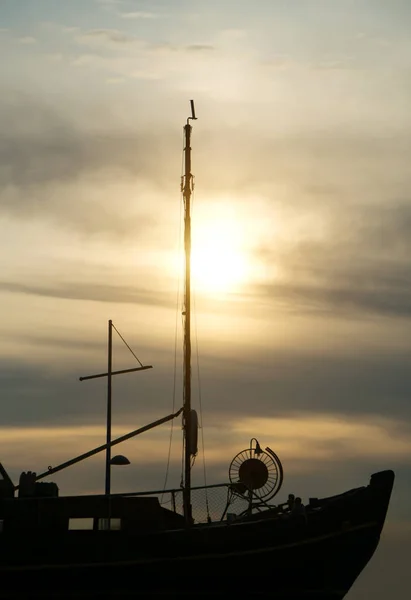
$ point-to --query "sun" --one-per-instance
(219, 262)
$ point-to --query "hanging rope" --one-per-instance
(200, 404)
(175, 371)
(175, 342)
(184, 437)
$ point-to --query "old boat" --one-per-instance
(137, 547)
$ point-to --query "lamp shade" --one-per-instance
(119, 460)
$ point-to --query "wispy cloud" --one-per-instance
(327, 438)
(117, 39)
(360, 267)
(96, 292)
(115, 80)
(54, 56)
(67, 29)
(199, 47)
(109, 2)
(27, 40)
(121, 9)
(139, 15)
(107, 37)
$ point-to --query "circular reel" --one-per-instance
(256, 472)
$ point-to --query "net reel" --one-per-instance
(255, 473)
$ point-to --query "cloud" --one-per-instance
(108, 37)
(27, 40)
(287, 61)
(381, 289)
(359, 267)
(328, 438)
(120, 9)
(55, 56)
(53, 168)
(335, 64)
(313, 445)
(279, 61)
(115, 80)
(119, 40)
(282, 383)
(97, 292)
(352, 381)
(139, 14)
(199, 47)
(338, 248)
(109, 2)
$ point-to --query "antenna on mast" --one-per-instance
(193, 112)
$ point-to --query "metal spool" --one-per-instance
(253, 473)
(257, 472)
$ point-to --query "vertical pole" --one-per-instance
(109, 372)
(187, 329)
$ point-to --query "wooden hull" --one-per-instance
(279, 558)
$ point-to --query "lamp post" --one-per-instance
(109, 376)
(108, 430)
(117, 461)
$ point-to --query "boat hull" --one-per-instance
(276, 557)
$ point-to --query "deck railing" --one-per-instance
(211, 502)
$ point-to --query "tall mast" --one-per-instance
(187, 189)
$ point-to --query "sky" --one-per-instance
(301, 241)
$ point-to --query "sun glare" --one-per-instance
(218, 261)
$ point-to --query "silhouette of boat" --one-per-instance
(135, 547)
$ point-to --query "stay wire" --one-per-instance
(200, 403)
(175, 344)
(135, 356)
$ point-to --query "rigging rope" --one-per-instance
(175, 342)
(174, 375)
(200, 403)
(135, 356)
(184, 439)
